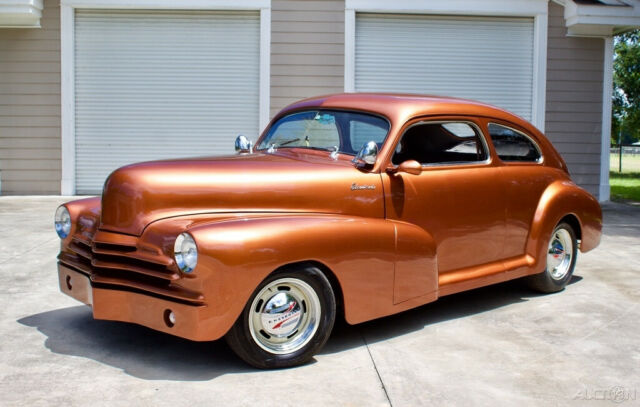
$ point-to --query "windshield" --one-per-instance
(326, 130)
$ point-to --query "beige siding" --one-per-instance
(30, 106)
(574, 99)
(307, 50)
(307, 59)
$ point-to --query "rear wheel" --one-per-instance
(286, 321)
(561, 260)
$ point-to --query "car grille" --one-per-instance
(125, 266)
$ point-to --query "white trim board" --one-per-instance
(67, 62)
(604, 191)
(539, 102)
(169, 4)
(67, 103)
(538, 9)
(513, 8)
(349, 50)
(265, 68)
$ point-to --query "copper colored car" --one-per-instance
(362, 205)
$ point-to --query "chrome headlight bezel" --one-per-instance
(185, 252)
(62, 221)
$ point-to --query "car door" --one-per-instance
(528, 178)
(458, 196)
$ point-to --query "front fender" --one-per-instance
(562, 198)
(236, 255)
(85, 218)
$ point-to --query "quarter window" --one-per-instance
(441, 143)
(511, 145)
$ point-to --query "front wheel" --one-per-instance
(286, 321)
(561, 260)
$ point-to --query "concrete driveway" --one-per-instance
(499, 345)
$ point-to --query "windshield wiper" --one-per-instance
(319, 148)
(273, 146)
(284, 143)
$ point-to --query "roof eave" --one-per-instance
(601, 20)
(20, 13)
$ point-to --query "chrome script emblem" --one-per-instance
(356, 187)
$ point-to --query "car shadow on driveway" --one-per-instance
(151, 355)
(138, 351)
(447, 308)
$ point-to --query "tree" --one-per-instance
(626, 83)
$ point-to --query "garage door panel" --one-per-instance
(482, 58)
(152, 85)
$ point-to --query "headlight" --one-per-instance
(62, 222)
(185, 252)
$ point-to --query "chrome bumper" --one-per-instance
(128, 306)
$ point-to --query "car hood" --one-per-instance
(138, 194)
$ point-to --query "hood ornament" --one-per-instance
(334, 153)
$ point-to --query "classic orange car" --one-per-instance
(359, 205)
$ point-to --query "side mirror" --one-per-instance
(409, 166)
(367, 154)
(243, 145)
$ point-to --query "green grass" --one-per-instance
(630, 163)
(625, 186)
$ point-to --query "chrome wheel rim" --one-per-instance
(559, 254)
(284, 316)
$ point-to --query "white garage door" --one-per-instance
(152, 85)
(484, 58)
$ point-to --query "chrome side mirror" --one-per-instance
(367, 154)
(243, 145)
(409, 166)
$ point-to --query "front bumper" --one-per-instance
(128, 306)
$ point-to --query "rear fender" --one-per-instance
(562, 198)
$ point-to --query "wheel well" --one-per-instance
(333, 280)
(573, 221)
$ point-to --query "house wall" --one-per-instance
(307, 50)
(307, 59)
(30, 106)
(574, 99)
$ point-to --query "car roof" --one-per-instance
(399, 107)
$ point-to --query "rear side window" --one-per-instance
(512, 145)
(441, 143)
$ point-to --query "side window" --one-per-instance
(441, 143)
(511, 145)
